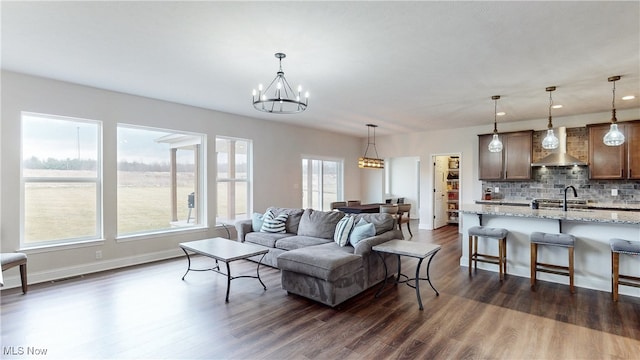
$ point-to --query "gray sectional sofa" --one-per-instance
(315, 266)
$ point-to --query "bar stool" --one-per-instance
(492, 233)
(621, 246)
(562, 240)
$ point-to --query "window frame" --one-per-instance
(231, 181)
(339, 180)
(200, 200)
(97, 180)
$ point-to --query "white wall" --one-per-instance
(404, 180)
(464, 141)
(277, 166)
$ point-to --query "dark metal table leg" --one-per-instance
(384, 283)
(418, 284)
(258, 272)
(429, 276)
(188, 263)
(399, 270)
(228, 282)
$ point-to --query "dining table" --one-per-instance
(363, 208)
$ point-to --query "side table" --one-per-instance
(412, 249)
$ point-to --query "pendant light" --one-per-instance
(371, 162)
(495, 145)
(551, 140)
(613, 137)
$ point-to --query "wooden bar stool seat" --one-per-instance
(621, 246)
(562, 240)
(10, 260)
(498, 234)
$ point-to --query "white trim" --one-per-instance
(161, 234)
(43, 248)
(84, 269)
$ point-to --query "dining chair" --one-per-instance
(403, 216)
(338, 204)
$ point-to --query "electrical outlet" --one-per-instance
(98, 254)
(496, 189)
(614, 192)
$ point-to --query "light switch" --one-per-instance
(496, 189)
(614, 192)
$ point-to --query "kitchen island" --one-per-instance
(592, 228)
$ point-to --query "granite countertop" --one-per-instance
(586, 215)
(632, 206)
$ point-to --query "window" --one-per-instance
(159, 180)
(62, 180)
(321, 182)
(233, 178)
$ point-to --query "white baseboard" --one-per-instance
(12, 277)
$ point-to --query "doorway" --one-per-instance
(446, 189)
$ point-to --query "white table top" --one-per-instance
(223, 249)
(408, 248)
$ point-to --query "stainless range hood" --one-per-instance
(560, 157)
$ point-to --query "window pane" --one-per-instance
(233, 177)
(329, 184)
(56, 211)
(222, 148)
(61, 176)
(241, 160)
(241, 198)
(156, 176)
(321, 183)
(223, 200)
(53, 146)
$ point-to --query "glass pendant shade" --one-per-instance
(613, 137)
(550, 141)
(495, 145)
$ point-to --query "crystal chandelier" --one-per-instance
(368, 162)
(495, 145)
(279, 97)
(551, 140)
(613, 137)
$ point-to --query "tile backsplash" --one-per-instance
(550, 182)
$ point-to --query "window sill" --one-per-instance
(160, 234)
(36, 249)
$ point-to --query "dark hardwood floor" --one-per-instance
(147, 312)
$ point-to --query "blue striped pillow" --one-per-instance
(343, 230)
(274, 224)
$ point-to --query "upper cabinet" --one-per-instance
(512, 163)
(615, 162)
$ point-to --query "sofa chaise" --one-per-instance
(312, 263)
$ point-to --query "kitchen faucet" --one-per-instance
(575, 194)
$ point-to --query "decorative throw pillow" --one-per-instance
(361, 231)
(274, 224)
(256, 221)
(343, 230)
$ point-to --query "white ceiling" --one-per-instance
(406, 66)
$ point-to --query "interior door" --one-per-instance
(440, 187)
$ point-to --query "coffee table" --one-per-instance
(224, 250)
(411, 249)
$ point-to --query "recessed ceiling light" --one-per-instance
(501, 113)
(628, 97)
(557, 106)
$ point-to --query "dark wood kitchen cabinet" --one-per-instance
(614, 162)
(512, 163)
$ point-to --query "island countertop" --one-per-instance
(585, 215)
